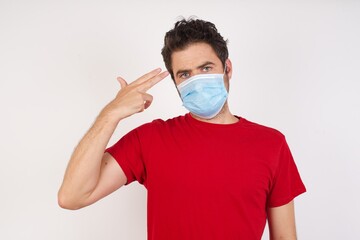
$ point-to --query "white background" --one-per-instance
(296, 68)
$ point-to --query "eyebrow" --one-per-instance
(198, 67)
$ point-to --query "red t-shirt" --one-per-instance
(208, 181)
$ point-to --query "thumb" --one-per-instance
(122, 82)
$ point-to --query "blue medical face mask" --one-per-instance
(204, 94)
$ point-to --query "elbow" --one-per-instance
(66, 202)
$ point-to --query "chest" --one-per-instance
(209, 166)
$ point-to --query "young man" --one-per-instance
(209, 174)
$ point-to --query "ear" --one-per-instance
(228, 68)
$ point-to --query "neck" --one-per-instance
(224, 117)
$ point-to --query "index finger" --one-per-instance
(147, 76)
(154, 80)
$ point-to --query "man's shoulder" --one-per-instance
(169, 121)
(159, 123)
(262, 130)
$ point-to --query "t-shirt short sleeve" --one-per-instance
(287, 183)
(127, 152)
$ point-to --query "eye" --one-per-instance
(206, 68)
(184, 75)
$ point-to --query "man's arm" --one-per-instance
(91, 174)
(282, 222)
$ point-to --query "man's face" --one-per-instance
(197, 58)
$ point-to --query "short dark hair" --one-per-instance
(186, 32)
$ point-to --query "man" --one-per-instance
(209, 174)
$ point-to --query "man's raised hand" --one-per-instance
(133, 98)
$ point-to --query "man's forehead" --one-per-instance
(193, 56)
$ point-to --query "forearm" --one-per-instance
(87, 179)
(83, 171)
